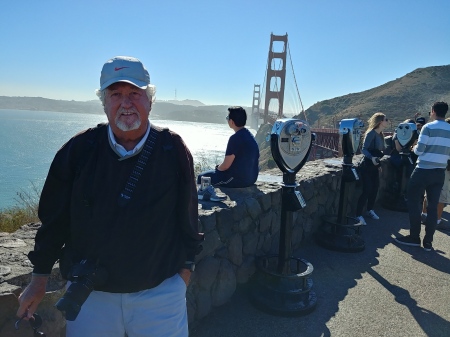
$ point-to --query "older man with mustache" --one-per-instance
(119, 210)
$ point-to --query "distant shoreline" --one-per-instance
(161, 109)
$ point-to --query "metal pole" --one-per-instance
(287, 220)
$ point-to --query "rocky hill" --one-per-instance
(46, 104)
(398, 99)
(185, 102)
(187, 110)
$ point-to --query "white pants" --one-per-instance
(158, 312)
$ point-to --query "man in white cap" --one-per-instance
(119, 210)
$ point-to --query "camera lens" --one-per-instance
(77, 293)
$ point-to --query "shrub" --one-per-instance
(203, 163)
(12, 218)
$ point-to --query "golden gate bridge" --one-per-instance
(326, 144)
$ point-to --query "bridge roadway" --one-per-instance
(386, 290)
(326, 144)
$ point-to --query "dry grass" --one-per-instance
(12, 218)
(204, 163)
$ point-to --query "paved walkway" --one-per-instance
(386, 290)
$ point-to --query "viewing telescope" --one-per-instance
(341, 232)
(281, 282)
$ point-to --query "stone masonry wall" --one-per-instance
(237, 230)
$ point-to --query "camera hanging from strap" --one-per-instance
(136, 173)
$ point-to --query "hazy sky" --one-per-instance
(215, 51)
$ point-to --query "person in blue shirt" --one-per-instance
(240, 166)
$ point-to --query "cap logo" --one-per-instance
(124, 69)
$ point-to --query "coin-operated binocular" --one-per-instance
(393, 197)
(290, 143)
(281, 283)
(340, 232)
(350, 131)
(406, 135)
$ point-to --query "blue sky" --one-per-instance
(215, 51)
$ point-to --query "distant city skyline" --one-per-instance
(214, 52)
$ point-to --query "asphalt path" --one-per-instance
(385, 290)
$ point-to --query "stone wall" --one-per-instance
(237, 230)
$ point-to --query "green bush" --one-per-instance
(12, 218)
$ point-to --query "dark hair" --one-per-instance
(238, 115)
(440, 108)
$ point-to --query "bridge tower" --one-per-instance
(277, 77)
(254, 122)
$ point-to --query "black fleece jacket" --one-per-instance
(139, 244)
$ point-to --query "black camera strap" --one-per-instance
(136, 173)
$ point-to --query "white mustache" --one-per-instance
(127, 111)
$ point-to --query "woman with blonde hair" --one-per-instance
(372, 148)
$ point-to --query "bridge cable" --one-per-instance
(264, 85)
(296, 86)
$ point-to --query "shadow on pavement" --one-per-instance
(335, 275)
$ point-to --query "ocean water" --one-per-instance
(30, 139)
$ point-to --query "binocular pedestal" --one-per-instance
(341, 232)
(282, 283)
(394, 195)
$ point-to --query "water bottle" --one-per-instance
(206, 181)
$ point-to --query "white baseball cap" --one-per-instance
(124, 69)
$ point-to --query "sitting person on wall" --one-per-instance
(240, 166)
(372, 148)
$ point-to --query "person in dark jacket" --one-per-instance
(372, 149)
(120, 199)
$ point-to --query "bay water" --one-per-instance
(30, 139)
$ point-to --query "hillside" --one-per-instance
(187, 110)
(46, 104)
(185, 102)
(398, 99)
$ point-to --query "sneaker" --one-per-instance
(361, 220)
(208, 194)
(443, 226)
(408, 241)
(427, 246)
(373, 215)
(423, 217)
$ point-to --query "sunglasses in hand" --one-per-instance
(35, 323)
